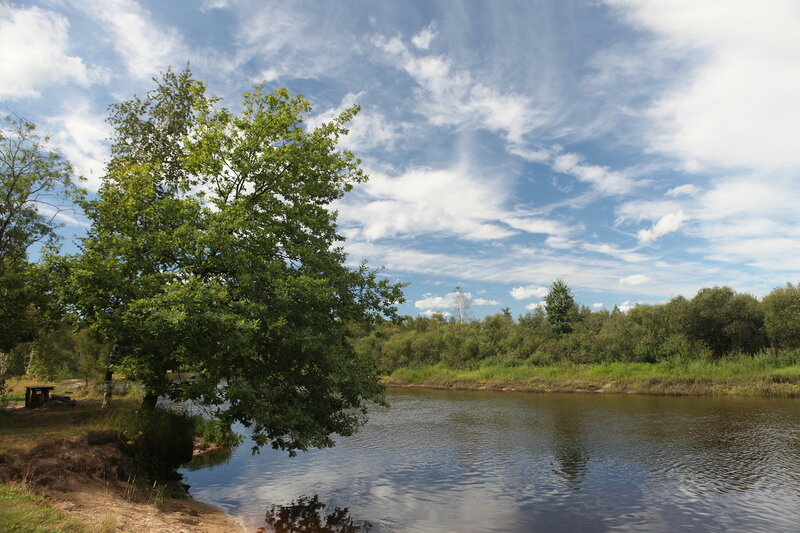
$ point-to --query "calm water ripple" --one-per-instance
(449, 461)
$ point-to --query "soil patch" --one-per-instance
(89, 476)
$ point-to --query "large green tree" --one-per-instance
(36, 184)
(213, 248)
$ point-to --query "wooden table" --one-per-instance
(37, 396)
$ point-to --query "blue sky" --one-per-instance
(639, 150)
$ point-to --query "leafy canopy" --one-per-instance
(35, 186)
(213, 248)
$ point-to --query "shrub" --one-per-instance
(159, 441)
(782, 316)
(215, 432)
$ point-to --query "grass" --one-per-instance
(22, 510)
(32, 439)
(15, 389)
(20, 433)
(759, 375)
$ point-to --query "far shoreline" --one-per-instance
(697, 378)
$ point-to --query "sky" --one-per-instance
(638, 150)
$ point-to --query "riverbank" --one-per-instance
(63, 468)
(101, 508)
(749, 376)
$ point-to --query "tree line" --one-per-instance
(717, 322)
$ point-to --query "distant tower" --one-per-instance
(461, 304)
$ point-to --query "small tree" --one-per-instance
(35, 186)
(562, 310)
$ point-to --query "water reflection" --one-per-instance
(308, 515)
(569, 443)
(446, 461)
(219, 456)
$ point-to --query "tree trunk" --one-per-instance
(108, 389)
(149, 401)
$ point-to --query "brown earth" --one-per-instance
(88, 476)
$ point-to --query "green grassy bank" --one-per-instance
(61, 463)
(744, 375)
(24, 511)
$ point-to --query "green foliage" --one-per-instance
(715, 324)
(216, 432)
(562, 310)
(782, 317)
(213, 249)
(57, 352)
(159, 441)
(726, 321)
(30, 176)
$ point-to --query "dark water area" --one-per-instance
(478, 461)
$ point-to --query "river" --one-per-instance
(440, 461)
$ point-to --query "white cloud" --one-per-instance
(629, 256)
(529, 291)
(639, 210)
(425, 37)
(539, 225)
(81, 136)
(370, 129)
(749, 195)
(738, 99)
(559, 243)
(294, 40)
(450, 201)
(448, 301)
(534, 306)
(634, 280)
(146, 47)
(626, 306)
(431, 312)
(683, 190)
(215, 4)
(667, 224)
(447, 96)
(602, 178)
(598, 305)
(518, 266)
(534, 155)
(34, 46)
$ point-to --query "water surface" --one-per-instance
(479, 461)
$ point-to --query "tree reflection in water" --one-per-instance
(308, 515)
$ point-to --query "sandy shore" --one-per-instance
(112, 508)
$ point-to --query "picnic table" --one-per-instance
(37, 396)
